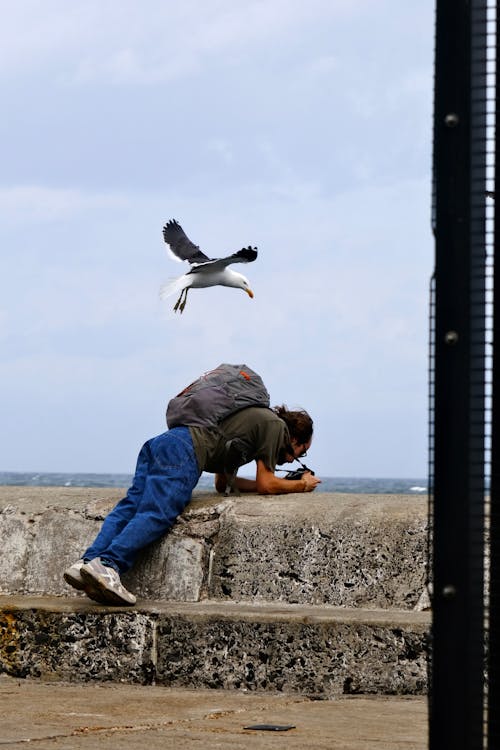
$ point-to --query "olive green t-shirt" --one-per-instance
(264, 433)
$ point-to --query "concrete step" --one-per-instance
(320, 651)
(364, 551)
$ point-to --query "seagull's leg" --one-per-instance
(176, 306)
(183, 305)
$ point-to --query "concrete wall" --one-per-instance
(312, 594)
(319, 548)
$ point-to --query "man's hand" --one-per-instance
(310, 481)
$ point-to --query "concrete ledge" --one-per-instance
(325, 548)
(313, 650)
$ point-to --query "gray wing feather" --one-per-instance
(245, 255)
(181, 245)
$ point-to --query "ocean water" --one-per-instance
(357, 485)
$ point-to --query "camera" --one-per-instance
(297, 474)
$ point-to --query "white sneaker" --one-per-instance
(73, 577)
(105, 581)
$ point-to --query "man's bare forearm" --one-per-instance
(241, 483)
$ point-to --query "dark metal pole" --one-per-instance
(494, 566)
(456, 680)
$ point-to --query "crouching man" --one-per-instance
(168, 469)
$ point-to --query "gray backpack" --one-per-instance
(216, 395)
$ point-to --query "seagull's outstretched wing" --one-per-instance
(180, 245)
(245, 255)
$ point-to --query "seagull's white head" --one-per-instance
(240, 282)
(245, 285)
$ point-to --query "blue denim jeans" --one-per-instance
(166, 474)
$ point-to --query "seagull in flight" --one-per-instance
(204, 271)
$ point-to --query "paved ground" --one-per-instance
(75, 717)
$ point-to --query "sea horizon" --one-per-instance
(341, 484)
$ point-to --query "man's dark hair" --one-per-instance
(299, 423)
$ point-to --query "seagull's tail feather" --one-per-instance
(173, 286)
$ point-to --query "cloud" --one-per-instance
(125, 42)
(20, 204)
(222, 148)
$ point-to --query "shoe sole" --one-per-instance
(99, 588)
(77, 583)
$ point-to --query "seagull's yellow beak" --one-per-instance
(249, 292)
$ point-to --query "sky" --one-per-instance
(302, 128)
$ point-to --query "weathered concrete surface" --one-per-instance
(345, 550)
(315, 650)
(81, 717)
(342, 550)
